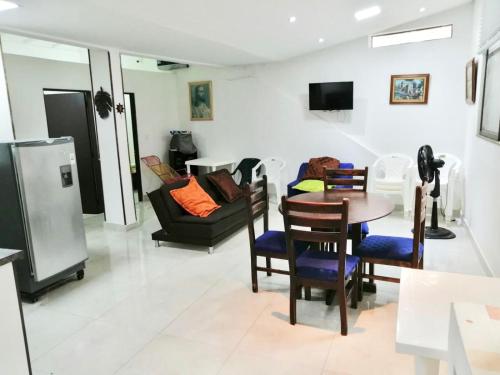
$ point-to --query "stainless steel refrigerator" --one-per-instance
(41, 212)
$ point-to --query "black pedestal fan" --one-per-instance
(428, 169)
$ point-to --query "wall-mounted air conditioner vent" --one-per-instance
(169, 65)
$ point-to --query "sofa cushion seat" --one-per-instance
(226, 210)
(225, 219)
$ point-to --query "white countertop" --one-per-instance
(475, 339)
(425, 299)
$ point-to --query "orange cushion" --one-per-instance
(194, 199)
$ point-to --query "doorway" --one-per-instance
(70, 113)
(133, 145)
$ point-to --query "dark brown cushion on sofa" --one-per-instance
(225, 184)
(315, 168)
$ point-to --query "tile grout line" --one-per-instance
(243, 336)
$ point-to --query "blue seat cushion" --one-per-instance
(321, 265)
(274, 241)
(387, 247)
(364, 229)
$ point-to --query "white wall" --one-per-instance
(6, 130)
(155, 95)
(26, 79)
(156, 113)
(482, 164)
(261, 110)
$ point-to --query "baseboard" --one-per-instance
(119, 227)
(482, 259)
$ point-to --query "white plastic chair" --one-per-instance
(451, 198)
(271, 167)
(391, 175)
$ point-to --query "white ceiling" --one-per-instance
(224, 32)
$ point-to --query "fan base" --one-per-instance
(439, 233)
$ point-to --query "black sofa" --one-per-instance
(179, 226)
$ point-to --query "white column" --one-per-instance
(112, 140)
(6, 131)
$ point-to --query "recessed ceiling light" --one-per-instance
(423, 9)
(6, 5)
(292, 19)
(367, 13)
(321, 40)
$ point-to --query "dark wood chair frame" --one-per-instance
(329, 221)
(418, 238)
(336, 177)
(258, 204)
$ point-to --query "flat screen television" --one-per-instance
(330, 96)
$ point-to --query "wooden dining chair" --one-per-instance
(349, 179)
(395, 251)
(355, 179)
(272, 243)
(316, 268)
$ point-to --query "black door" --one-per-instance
(71, 114)
(134, 142)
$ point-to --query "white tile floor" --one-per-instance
(177, 310)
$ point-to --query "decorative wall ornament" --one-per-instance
(120, 108)
(409, 89)
(103, 103)
(200, 100)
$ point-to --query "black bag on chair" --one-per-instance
(183, 142)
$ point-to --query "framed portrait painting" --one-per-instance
(470, 81)
(200, 101)
(409, 89)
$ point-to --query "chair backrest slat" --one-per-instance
(314, 221)
(345, 178)
(314, 236)
(315, 208)
(339, 182)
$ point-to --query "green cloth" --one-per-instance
(311, 186)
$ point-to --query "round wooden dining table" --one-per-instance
(363, 207)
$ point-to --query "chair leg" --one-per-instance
(361, 270)
(293, 302)
(343, 311)
(253, 266)
(268, 265)
(157, 243)
(354, 290)
(298, 291)
(330, 296)
(307, 293)
(421, 263)
(372, 272)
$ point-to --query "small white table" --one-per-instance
(208, 162)
(474, 340)
(425, 299)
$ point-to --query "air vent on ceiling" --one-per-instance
(169, 65)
